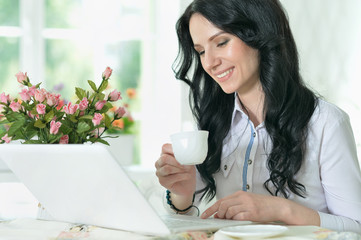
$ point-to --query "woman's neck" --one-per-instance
(252, 103)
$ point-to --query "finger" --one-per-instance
(170, 180)
(167, 159)
(221, 207)
(211, 210)
(167, 149)
(242, 216)
(232, 211)
(169, 170)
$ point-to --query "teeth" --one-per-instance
(225, 73)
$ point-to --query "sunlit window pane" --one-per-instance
(124, 17)
(9, 12)
(9, 59)
(125, 58)
(63, 13)
(68, 63)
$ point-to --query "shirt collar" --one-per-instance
(238, 110)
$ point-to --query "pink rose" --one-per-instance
(64, 139)
(40, 95)
(97, 119)
(97, 132)
(54, 127)
(4, 98)
(119, 112)
(52, 99)
(32, 91)
(71, 109)
(107, 73)
(21, 77)
(114, 96)
(15, 106)
(83, 104)
(100, 104)
(6, 138)
(40, 108)
(31, 115)
(24, 94)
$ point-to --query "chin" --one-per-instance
(228, 90)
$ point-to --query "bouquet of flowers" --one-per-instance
(42, 117)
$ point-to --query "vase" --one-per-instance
(122, 148)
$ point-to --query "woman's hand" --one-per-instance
(245, 206)
(177, 178)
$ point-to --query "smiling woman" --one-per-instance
(275, 147)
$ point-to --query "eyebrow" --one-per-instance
(211, 38)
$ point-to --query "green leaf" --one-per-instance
(54, 138)
(89, 117)
(80, 93)
(82, 127)
(92, 96)
(33, 111)
(107, 121)
(49, 116)
(65, 129)
(100, 96)
(15, 116)
(103, 86)
(16, 126)
(59, 114)
(39, 124)
(93, 140)
(5, 121)
(33, 142)
(30, 134)
(92, 85)
(73, 118)
(104, 109)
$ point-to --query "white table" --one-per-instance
(31, 229)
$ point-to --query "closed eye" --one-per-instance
(223, 43)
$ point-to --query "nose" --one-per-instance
(210, 61)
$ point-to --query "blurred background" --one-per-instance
(64, 43)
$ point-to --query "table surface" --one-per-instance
(26, 228)
(19, 213)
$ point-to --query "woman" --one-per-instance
(277, 152)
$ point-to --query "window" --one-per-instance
(9, 42)
(63, 43)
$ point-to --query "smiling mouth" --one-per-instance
(222, 75)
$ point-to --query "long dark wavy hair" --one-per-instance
(288, 106)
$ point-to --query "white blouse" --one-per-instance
(330, 171)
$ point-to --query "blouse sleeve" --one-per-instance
(340, 177)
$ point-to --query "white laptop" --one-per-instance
(84, 184)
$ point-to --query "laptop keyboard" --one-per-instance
(177, 222)
(184, 221)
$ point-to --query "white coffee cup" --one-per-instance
(191, 147)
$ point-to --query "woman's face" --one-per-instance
(225, 57)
